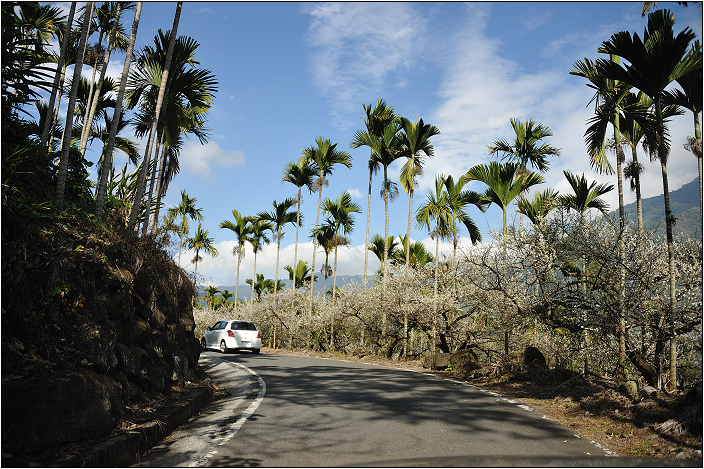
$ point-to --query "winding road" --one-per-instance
(297, 411)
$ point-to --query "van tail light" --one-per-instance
(259, 336)
(230, 334)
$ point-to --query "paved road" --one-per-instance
(297, 411)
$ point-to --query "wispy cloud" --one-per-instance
(356, 51)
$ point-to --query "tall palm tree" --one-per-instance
(504, 183)
(68, 125)
(257, 239)
(655, 61)
(690, 97)
(47, 125)
(340, 213)
(324, 156)
(583, 198)
(185, 209)
(152, 134)
(459, 198)
(116, 117)
(201, 241)
(111, 14)
(242, 229)
(437, 209)
(386, 148)
(525, 148)
(375, 121)
(325, 237)
(415, 139)
(278, 218)
(300, 174)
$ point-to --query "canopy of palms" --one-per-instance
(323, 157)
(376, 122)
(655, 61)
(242, 229)
(300, 174)
(414, 139)
(339, 213)
(188, 96)
(185, 209)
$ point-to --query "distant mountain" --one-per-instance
(245, 291)
(684, 203)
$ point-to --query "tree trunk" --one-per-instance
(317, 220)
(435, 293)
(639, 201)
(239, 260)
(386, 229)
(295, 247)
(107, 156)
(366, 238)
(87, 124)
(49, 120)
(162, 88)
(622, 227)
(150, 192)
(66, 144)
(254, 276)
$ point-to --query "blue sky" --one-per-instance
(290, 72)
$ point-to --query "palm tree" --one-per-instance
(538, 208)
(437, 208)
(152, 134)
(415, 139)
(655, 61)
(257, 238)
(68, 125)
(300, 174)
(109, 19)
(210, 294)
(116, 118)
(242, 229)
(325, 237)
(340, 213)
(47, 125)
(201, 241)
(458, 200)
(524, 148)
(185, 209)
(584, 196)
(378, 244)
(418, 258)
(324, 156)
(504, 183)
(301, 274)
(690, 97)
(279, 217)
(375, 121)
(226, 295)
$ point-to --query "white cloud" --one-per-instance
(355, 193)
(199, 159)
(356, 49)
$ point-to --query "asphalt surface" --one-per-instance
(298, 411)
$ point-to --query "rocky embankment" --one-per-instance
(92, 323)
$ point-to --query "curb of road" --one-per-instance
(124, 449)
